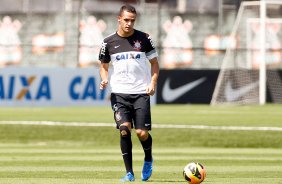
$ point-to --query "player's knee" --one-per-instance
(124, 131)
(142, 134)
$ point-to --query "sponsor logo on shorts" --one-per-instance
(117, 116)
(115, 108)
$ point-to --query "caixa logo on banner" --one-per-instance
(21, 87)
(80, 90)
(36, 88)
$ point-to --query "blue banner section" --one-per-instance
(51, 87)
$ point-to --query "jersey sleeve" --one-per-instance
(151, 52)
(104, 55)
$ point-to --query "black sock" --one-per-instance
(147, 147)
(126, 148)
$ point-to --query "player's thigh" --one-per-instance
(142, 118)
(121, 109)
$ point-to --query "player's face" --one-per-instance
(126, 23)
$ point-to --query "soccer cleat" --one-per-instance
(128, 177)
(147, 170)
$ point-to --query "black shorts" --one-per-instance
(134, 108)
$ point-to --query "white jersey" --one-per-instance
(129, 56)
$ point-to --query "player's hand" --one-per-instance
(104, 84)
(150, 90)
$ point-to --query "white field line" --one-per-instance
(171, 126)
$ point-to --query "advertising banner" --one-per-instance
(186, 86)
(51, 87)
(197, 86)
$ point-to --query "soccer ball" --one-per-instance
(194, 173)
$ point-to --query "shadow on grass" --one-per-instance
(165, 181)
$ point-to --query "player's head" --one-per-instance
(126, 19)
(127, 8)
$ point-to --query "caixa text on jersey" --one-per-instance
(130, 55)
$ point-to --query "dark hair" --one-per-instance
(127, 8)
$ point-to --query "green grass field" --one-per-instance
(40, 154)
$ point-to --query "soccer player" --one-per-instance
(132, 82)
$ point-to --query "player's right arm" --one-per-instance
(104, 73)
(105, 58)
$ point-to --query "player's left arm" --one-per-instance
(151, 89)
